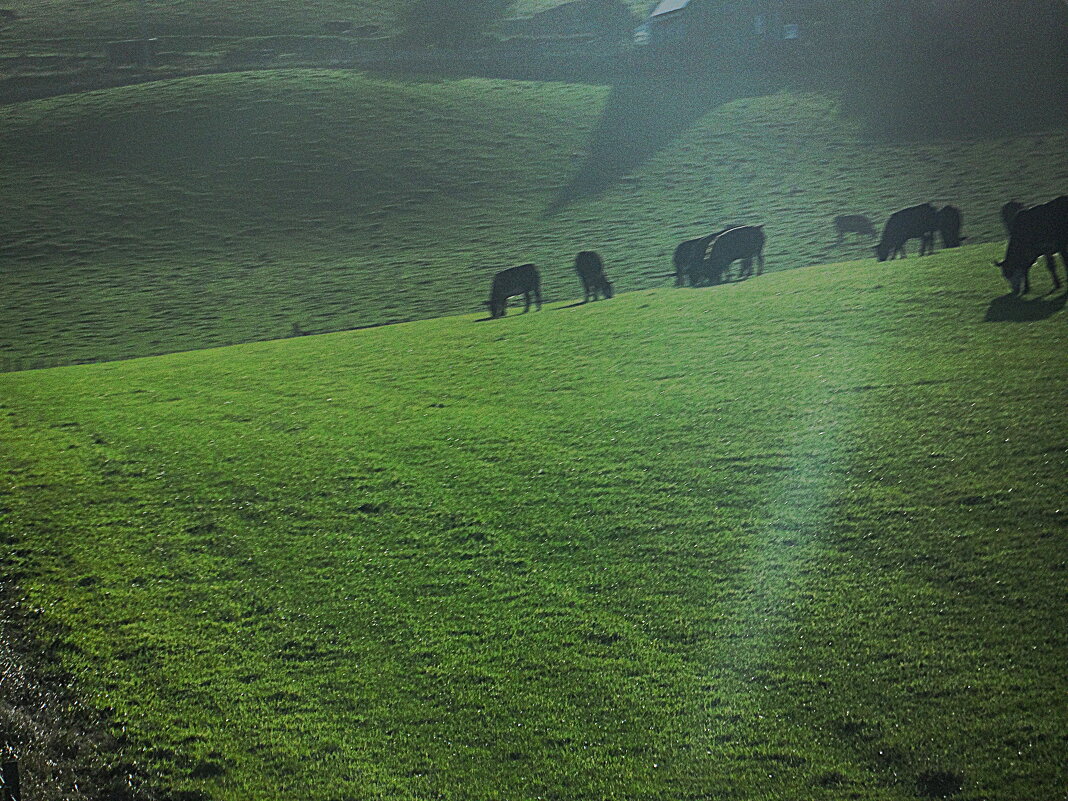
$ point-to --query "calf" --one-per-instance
(853, 224)
(744, 242)
(916, 222)
(522, 280)
(949, 226)
(1008, 212)
(1038, 231)
(590, 270)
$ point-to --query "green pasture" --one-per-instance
(120, 19)
(229, 208)
(797, 537)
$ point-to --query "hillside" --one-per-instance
(118, 19)
(801, 537)
(221, 209)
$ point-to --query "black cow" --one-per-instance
(853, 224)
(1008, 212)
(522, 280)
(690, 254)
(590, 269)
(1038, 231)
(949, 226)
(915, 222)
(744, 242)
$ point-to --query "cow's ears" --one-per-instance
(999, 264)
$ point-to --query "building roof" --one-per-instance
(667, 6)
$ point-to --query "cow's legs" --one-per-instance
(760, 262)
(747, 267)
(1051, 265)
(526, 301)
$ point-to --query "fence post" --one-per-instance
(9, 782)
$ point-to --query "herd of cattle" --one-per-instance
(1040, 230)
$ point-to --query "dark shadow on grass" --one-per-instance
(644, 114)
(1012, 309)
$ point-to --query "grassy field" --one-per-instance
(221, 209)
(119, 18)
(799, 537)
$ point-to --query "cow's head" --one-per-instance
(882, 251)
(1016, 276)
(606, 288)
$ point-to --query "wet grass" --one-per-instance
(221, 209)
(801, 537)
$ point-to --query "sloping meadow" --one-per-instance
(230, 208)
(801, 537)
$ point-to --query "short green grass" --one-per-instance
(799, 537)
(228, 208)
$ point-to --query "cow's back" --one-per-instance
(1042, 226)
(732, 244)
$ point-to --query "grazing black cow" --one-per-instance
(915, 222)
(690, 254)
(522, 280)
(853, 224)
(1008, 211)
(949, 226)
(1038, 231)
(590, 269)
(744, 242)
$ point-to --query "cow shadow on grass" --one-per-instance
(643, 115)
(1012, 309)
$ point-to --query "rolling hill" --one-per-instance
(228, 208)
(119, 19)
(797, 537)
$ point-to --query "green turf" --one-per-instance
(799, 537)
(229, 208)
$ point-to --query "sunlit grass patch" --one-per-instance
(796, 537)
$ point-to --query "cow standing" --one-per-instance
(1038, 231)
(590, 269)
(690, 255)
(853, 224)
(522, 280)
(949, 221)
(744, 242)
(916, 222)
